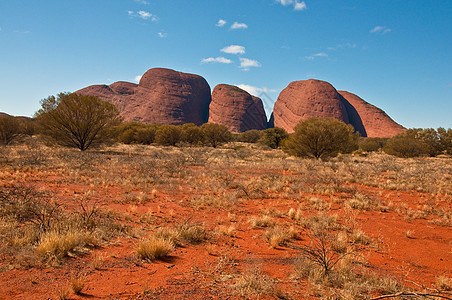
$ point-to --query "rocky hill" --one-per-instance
(311, 98)
(236, 109)
(163, 96)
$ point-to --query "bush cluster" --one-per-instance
(13, 128)
(420, 142)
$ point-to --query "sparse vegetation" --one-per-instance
(321, 138)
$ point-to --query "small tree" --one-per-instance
(168, 135)
(445, 138)
(10, 129)
(76, 120)
(191, 134)
(370, 144)
(250, 136)
(403, 145)
(321, 137)
(215, 134)
(273, 137)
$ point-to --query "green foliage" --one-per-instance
(369, 144)
(321, 137)
(272, 137)
(405, 146)
(215, 134)
(192, 134)
(445, 139)
(420, 142)
(250, 136)
(168, 135)
(10, 129)
(135, 133)
(76, 120)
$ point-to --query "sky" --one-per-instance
(395, 54)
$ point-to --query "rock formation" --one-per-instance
(306, 99)
(236, 109)
(376, 122)
(163, 96)
(319, 99)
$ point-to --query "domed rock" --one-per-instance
(376, 122)
(236, 109)
(305, 99)
(163, 96)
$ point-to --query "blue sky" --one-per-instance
(394, 54)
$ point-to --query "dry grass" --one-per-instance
(77, 284)
(154, 248)
(54, 246)
(262, 221)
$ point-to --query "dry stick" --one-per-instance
(426, 295)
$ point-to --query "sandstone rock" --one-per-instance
(236, 109)
(376, 122)
(163, 96)
(302, 100)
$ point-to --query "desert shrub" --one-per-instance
(250, 136)
(154, 248)
(445, 139)
(321, 137)
(420, 142)
(272, 137)
(75, 120)
(27, 205)
(278, 236)
(405, 146)
(10, 129)
(135, 133)
(192, 134)
(262, 221)
(372, 144)
(168, 135)
(215, 134)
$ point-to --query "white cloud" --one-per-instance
(380, 30)
(145, 15)
(343, 46)
(239, 26)
(246, 64)
(255, 91)
(314, 56)
(138, 78)
(142, 2)
(220, 60)
(162, 35)
(234, 49)
(297, 5)
(300, 5)
(221, 23)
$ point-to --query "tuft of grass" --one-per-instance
(77, 284)
(278, 236)
(255, 283)
(444, 283)
(154, 248)
(263, 221)
(54, 246)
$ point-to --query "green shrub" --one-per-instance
(372, 144)
(168, 135)
(272, 137)
(321, 137)
(250, 136)
(215, 134)
(10, 129)
(77, 121)
(192, 134)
